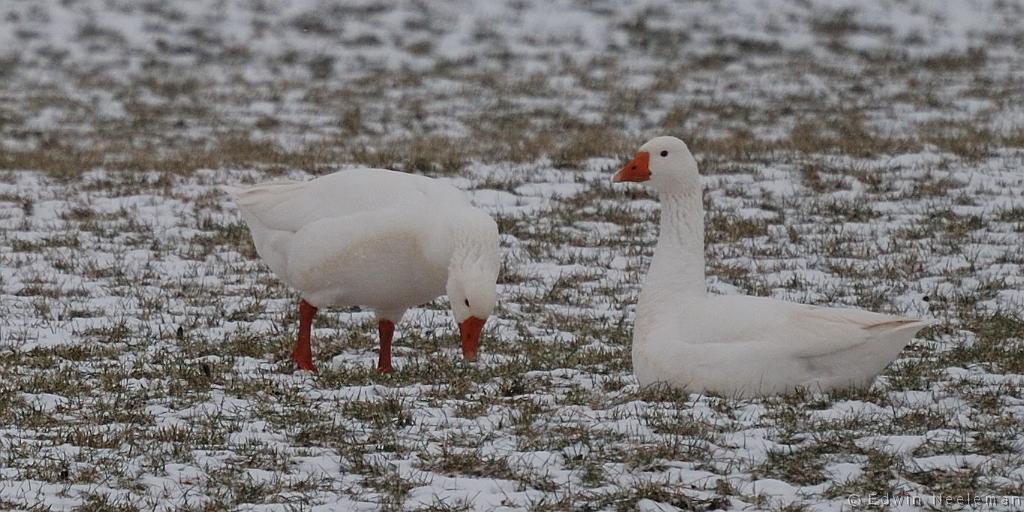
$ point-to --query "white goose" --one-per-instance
(381, 239)
(738, 345)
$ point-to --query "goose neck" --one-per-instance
(678, 264)
(472, 238)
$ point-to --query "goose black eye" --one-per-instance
(664, 153)
(466, 302)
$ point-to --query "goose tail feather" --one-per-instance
(902, 325)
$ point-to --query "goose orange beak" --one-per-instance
(638, 169)
(469, 330)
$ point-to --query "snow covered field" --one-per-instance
(866, 154)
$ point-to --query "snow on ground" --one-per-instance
(865, 154)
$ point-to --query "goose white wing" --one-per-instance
(275, 212)
(799, 329)
(288, 206)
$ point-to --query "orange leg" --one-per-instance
(303, 353)
(386, 329)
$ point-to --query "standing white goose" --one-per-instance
(381, 239)
(738, 345)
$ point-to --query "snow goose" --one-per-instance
(376, 238)
(737, 345)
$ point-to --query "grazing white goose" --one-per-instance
(381, 239)
(738, 345)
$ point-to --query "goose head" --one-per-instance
(666, 163)
(473, 295)
(473, 276)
